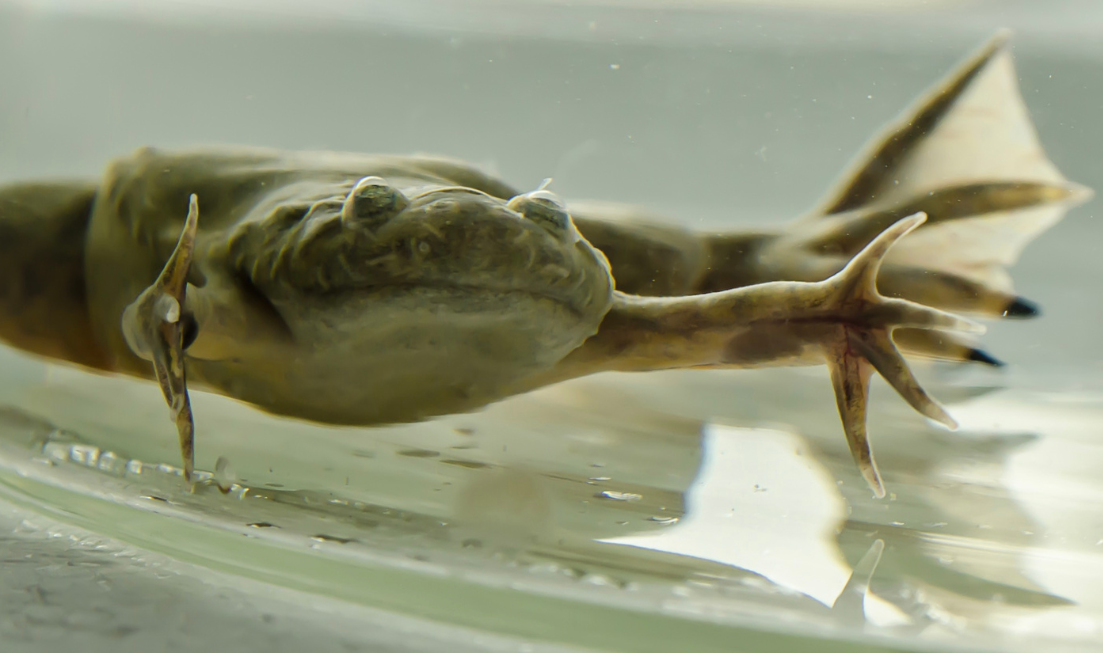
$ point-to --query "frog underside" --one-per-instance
(355, 289)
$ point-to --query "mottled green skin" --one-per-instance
(439, 307)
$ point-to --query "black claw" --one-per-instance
(981, 356)
(1021, 307)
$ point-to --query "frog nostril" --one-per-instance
(372, 202)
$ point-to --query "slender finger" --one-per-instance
(859, 277)
(850, 376)
(174, 276)
(902, 313)
(185, 430)
(877, 348)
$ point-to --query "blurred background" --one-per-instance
(674, 511)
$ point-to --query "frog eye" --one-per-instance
(372, 202)
(546, 209)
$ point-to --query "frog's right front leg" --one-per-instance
(843, 321)
(651, 259)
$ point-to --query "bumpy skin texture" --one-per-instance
(317, 302)
(354, 289)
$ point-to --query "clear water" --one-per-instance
(677, 511)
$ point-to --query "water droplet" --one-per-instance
(618, 496)
(223, 475)
(599, 580)
(322, 537)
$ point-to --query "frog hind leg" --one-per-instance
(940, 346)
(155, 327)
(968, 155)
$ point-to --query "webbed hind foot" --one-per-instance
(156, 328)
(967, 155)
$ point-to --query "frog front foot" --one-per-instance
(853, 325)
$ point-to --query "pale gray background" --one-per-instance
(722, 114)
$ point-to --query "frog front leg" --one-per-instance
(843, 321)
(177, 326)
(649, 258)
(156, 328)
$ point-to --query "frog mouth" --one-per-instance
(453, 297)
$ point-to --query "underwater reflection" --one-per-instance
(732, 489)
(760, 502)
(1056, 479)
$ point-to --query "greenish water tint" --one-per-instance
(677, 511)
(602, 514)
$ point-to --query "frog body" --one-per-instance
(356, 289)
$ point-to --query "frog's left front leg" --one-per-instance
(217, 320)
